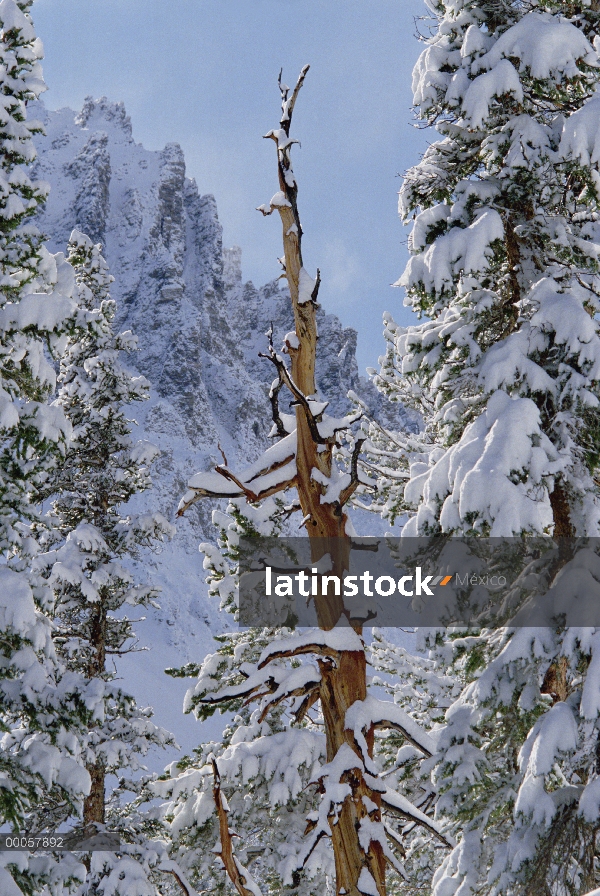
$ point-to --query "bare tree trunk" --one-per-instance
(94, 806)
(359, 862)
(556, 678)
(238, 875)
(340, 688)
(345, 683)
(555, 681)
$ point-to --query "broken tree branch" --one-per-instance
(307, 689)
(173, 869)
(250, 494)
(287, 107)
(317, 649)
(222, 453)
(420, 820)
(315, 292)
(276, 388)
(308, 702)
(258, 482)
(238, 875)
(301, 399)
(347, 493)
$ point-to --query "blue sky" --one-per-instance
(203, 73)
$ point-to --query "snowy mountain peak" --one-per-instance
(98, 113)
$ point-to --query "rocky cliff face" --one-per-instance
(199, 326)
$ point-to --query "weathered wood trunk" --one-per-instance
(345, 683)
(340, 688)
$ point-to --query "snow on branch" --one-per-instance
(287, 105)
(276, 387)
(308, 289)
(300, 682)
(355, 481)
(399, 805)
(169, 867)
(373, 713)
(335, 791)
(323, 643)
(274, 686)
(278, 468)
(342, 778)
(301, 399)
(322, 427)
(247, 689)
(273, 472)
(281, 136)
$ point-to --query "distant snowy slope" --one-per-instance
(200, 328)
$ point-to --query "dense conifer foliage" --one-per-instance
(504, 371)
(40, 708)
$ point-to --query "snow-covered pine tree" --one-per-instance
(505, 372)
(38, 752)
(503, 263)
(353, 799)
(264, 765)
(268, 757)
(89, 568)
(424, 688)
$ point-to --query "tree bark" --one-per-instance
(94, 806)
(340, 688)
(343, 679)
(563, 527)
(555, 681)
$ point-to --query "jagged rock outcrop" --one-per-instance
(91, 170)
